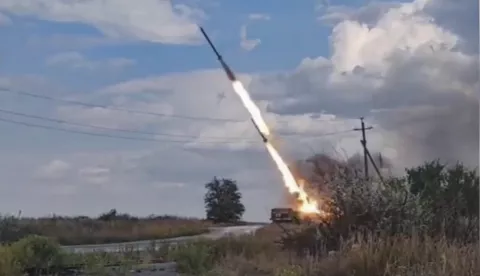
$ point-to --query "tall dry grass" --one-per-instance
(392, 256)
(75, 231)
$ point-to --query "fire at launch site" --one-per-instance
(308, 205)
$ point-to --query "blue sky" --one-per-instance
(337, 60)
(290, 21)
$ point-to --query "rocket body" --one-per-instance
(228, 71)
(230, 75)
(265, 140)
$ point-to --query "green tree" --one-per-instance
(450, 194)
(108, 216)
(223, 201)
(455, 186)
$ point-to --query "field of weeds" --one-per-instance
(258, 256)
(255, 256)
(107, 228)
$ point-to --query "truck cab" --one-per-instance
(285, 215)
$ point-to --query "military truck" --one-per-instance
(284, 215)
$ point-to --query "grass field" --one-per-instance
(261, 255)
(397, 255)
(82, 230)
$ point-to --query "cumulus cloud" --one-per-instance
(78, 61)
(207, 123)
(368, 14)
(250, 44)
(403, 64)
(150, 20)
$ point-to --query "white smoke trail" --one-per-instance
(307, 205)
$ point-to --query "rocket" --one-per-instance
(230, 75)
(227, 69)
(265, 140)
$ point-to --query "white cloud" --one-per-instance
(167, 185)
(399, 29)
(95, 175)
(250, 44)
(368, 14)
(70, 42)
(25, 82)
(245, 43)
(78, 61)
(56, 169)
(151, 20)
(259, 16)
(4, 20)
(399, 59)
(166, 94)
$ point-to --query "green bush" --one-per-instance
(450, 195)
(193, 258)
(33, 254)
(9, 265)
(37, 253)
(199, 257)
(433, 200)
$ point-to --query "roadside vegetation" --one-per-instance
(109, 227)
(426, 223)
(114, 227)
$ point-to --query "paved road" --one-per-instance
(215, 233)
(164, 269)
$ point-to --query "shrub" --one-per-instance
(199, 257)
(36, 253)
(194, 258)
(9, 265)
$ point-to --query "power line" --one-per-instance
(313, 136)
(108, 128)
(44, 97)
(132, 111)
(134, 138)
(60, 121)
(108, 135)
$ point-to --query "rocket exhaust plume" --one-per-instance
(308, 205)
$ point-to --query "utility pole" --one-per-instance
(364, 144)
